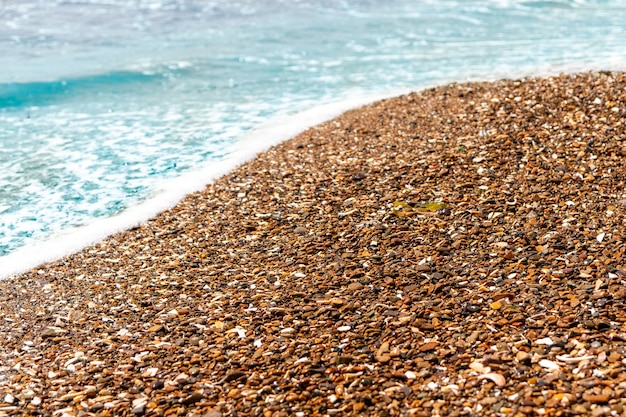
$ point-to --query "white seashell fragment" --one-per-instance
(548, 364)
(410, 375)
(479, 367)
(600, 237)
(344, 328)
(433, 386)
(494, 377)
(545, 341)
(123, 332)
(574, 359)
(453, 388)
(287, 330)
(140, 401)
(241, 332)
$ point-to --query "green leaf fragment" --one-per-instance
(403, 209)
(431, 206)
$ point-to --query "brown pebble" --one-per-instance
(596, 398)
(523, 356)
(193, 398)
(383, 358)
(428, 346)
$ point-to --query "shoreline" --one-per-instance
(173, 191)
(273, 133)
(453, 251)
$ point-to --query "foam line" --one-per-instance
(73, 240)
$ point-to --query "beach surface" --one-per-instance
(456, 251)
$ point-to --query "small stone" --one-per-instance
(234, 375)
(234, 393)
(344, 359)
(596, 398)
(193, 398)
(428, 346)
(50, 333)
(182, 379)
(383, 358)
(508, 255)
(139, 408)
(600, 411)
(496, 305)
(355, 286)
(300, 230)
(522, 356)
(579, 409)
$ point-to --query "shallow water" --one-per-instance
(104, 102)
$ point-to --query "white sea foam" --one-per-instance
(173, 191)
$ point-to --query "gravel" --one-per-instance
(455, 251)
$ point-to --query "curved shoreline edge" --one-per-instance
(275, 132)
(173, 191)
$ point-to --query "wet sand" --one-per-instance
(456, 251)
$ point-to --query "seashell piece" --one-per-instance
(545, 341)
(498, 379)
(479, 367)
(574, 359)
(453, 388)
(548, 364)
(433, 386)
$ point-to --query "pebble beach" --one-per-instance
(458, 251)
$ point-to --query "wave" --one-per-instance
(39, 93)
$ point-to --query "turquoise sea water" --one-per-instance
(103, 103)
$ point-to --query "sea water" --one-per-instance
(111, 110)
